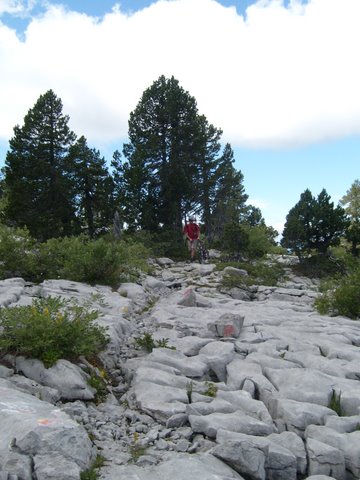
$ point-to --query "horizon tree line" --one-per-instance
(173, 165)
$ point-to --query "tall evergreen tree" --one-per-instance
(36, 174)
(161, 155)
(208, 170)
(93, 187)
(230, 197)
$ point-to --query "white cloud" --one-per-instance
(16, 7)
(279, 77)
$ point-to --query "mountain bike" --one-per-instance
(202, 252)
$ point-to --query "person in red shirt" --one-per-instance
(192, 232)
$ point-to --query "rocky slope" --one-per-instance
(242, 384)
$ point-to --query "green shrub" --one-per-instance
(260, 272)
(50, 329)
(18, 253)
(259, 242)
(246, 240)
(98, 261)
(341, 296)
(211, 389)
(320, 266)
(165, 243)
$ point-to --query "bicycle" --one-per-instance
(202, 252)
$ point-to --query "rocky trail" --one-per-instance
(241, 384)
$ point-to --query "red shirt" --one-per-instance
(192, 231)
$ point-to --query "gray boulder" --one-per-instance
(68, 379)
(227, 325)
(244, 453)
(217, 355)
(232, 422)
(325, 460)
(38, 428)
(347, 443)
(55, 467)
(183, 466)
(298, 415)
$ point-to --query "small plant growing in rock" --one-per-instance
(136, 450)
(335, 403)
(146, 342)
(99, 383)
(211, 389)
(50, 329)
(189, 390)
(92, 473)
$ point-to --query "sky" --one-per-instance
(280, 78)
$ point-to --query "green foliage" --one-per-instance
(260, 240)
(313, 224)
(37, 173)
(136, 450)
(93, 261)
(335, 403)
(92, 473)
(18, 253)
(164, 243)
(243, 240)
(50, 329)
(189, 390)
(351, 201)
(99, 383)
(174, 165)
(319, 266)
(235, 239)
(341, 296)
(148, 343)
(92, 187)
(211, 389)
(260, 272)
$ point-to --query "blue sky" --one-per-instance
(278, 77)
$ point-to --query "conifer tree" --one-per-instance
(230, 197)
(351, 203)
(93, 187)
(161, 168)
(37, 179)
(313, 224)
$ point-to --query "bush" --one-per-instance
(50, 329)
(165, 243)
(341, 296)
(98, 261)
(18, 253)
(260, 272)
(81, 259)
(247, 241)
(320, 266)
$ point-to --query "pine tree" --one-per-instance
(160, 170)
(313, 224)
(351, 202)
(37, 179)
(230, 197)
(93, 187)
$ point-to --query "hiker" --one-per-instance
(192, 232)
